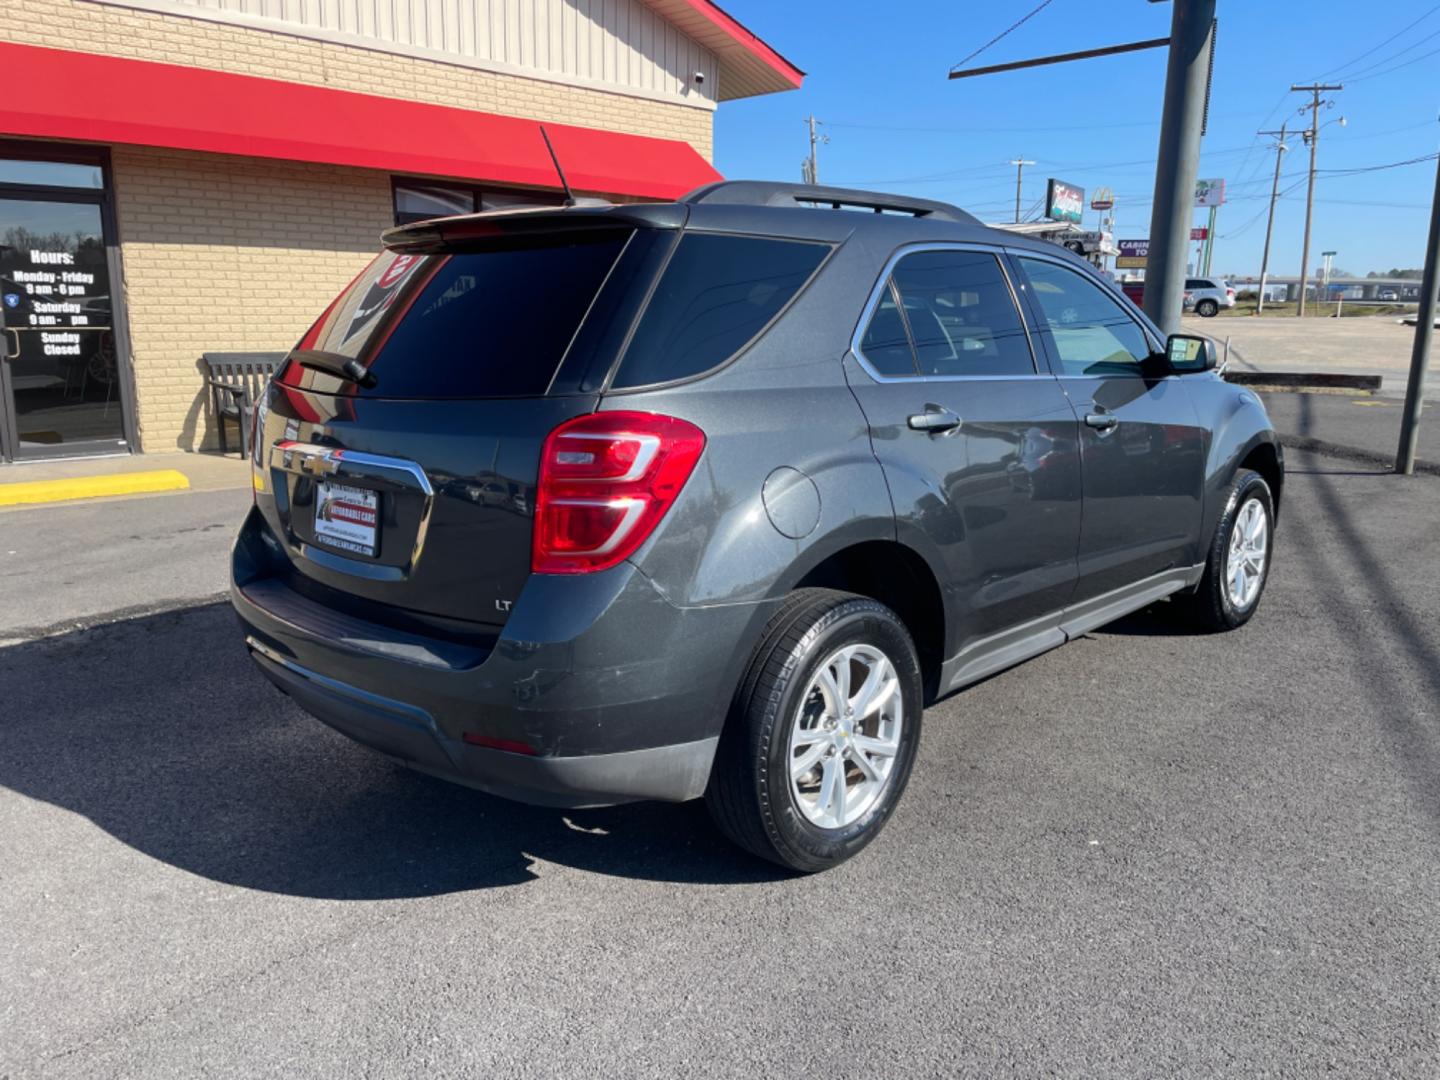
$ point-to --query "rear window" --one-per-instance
(716, 293)
(490, 323)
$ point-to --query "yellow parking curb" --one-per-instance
(92, 487)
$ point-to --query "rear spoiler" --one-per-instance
(441, 234)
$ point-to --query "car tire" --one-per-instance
(795, 780)
(1207, 309)
(1217, 604)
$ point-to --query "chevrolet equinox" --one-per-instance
(599, 503)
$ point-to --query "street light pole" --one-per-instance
(1312, 137)
(1280, 149)
(1181, 123)
(1424, 333)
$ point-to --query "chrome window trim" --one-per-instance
(878, 290)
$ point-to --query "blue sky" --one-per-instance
(876, 76)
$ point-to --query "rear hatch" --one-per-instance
(408, 482)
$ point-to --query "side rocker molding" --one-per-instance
(989, 655)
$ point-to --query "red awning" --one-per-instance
(58, 94)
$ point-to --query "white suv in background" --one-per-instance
(1208, 295)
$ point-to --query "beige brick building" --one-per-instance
(180, 177)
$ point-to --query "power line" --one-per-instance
(1393, 56)
(996, 130)
(1332, 174)
(1004, 33)
(1397, 67)
(1371, 51)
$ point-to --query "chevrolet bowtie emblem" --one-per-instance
(319, 465)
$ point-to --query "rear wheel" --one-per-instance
(1238, 563)
(1207, 309)
(823, 732)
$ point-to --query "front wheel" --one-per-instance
(1238, 564)
(822, 736)
(1207, 309)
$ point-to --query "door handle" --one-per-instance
(7, 354)
(1101, 421)
(936, 420)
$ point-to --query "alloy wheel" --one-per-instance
(845, 737)
(1249, 548)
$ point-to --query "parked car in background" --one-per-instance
(1206, 296)
(711, 498)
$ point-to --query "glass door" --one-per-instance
(60, 379)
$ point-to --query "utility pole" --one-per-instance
(1181, 125)
(1210, 239)
(1424, 333)
(810, 169)
(1312, 137)
(1280, 149)
(1019, 164)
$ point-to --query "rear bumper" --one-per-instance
(619, 694)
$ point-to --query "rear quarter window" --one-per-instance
(715, 295)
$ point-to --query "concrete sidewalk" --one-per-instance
(1363, 346)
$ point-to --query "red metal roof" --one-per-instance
(58, 94)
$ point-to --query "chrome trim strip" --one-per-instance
(340, 464)
(879, 289)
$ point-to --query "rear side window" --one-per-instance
(955, 316)
(962, 315)
(484, 323)
(716, 293)
(887, 343)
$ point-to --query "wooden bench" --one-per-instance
(236, 381)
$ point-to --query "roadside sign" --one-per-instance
(1133, 254)
(1064, 202)
(1209, 192)
(1103, 199)
(1200, 232)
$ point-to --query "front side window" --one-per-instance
(1089, 330)
(716, 293)
(947, 313)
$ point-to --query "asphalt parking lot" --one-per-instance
(1146, 853)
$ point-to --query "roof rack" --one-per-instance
(772, 193)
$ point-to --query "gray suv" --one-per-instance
(711, 498)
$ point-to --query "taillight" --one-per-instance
(1230, 293)
(606, 480)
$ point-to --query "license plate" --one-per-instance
(346, 517)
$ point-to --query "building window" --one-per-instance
(68, 174)
(420, 200)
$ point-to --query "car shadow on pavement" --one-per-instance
(159, 731)
(1365, 584)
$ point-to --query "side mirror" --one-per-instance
(1188, 354)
